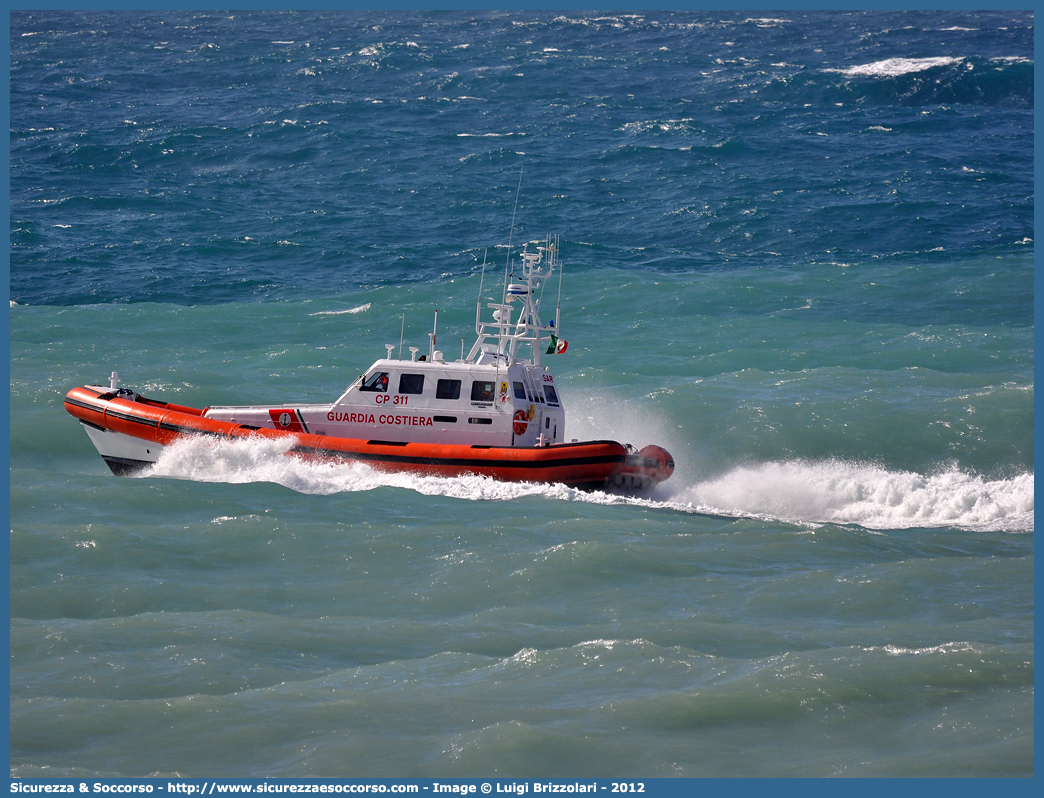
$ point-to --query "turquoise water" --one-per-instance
(832, 334)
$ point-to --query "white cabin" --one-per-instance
(491, 397)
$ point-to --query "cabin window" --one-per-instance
(547, 423)
(480, 421)
(447, 389)
(552, 397)
(482, 391)
(411, 383)
(520, 390)
(445, 419)
(377, 382)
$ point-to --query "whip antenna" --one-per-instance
(434, 329)
(561, 271)
(478, 304)
(511, 234)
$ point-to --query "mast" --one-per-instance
(539, 260)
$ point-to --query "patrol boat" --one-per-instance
(491, 413)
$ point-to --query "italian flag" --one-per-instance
(556, 347)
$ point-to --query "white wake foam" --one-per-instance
(835, 491)
(265, 460)
(802, 492)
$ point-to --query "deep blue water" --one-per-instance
(799, 254)
(290, 153)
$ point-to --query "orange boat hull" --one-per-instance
(584, 464)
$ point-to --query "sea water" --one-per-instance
(798, 254)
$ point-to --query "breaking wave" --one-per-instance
(359, 309)
(801, 492)
(893, 67)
